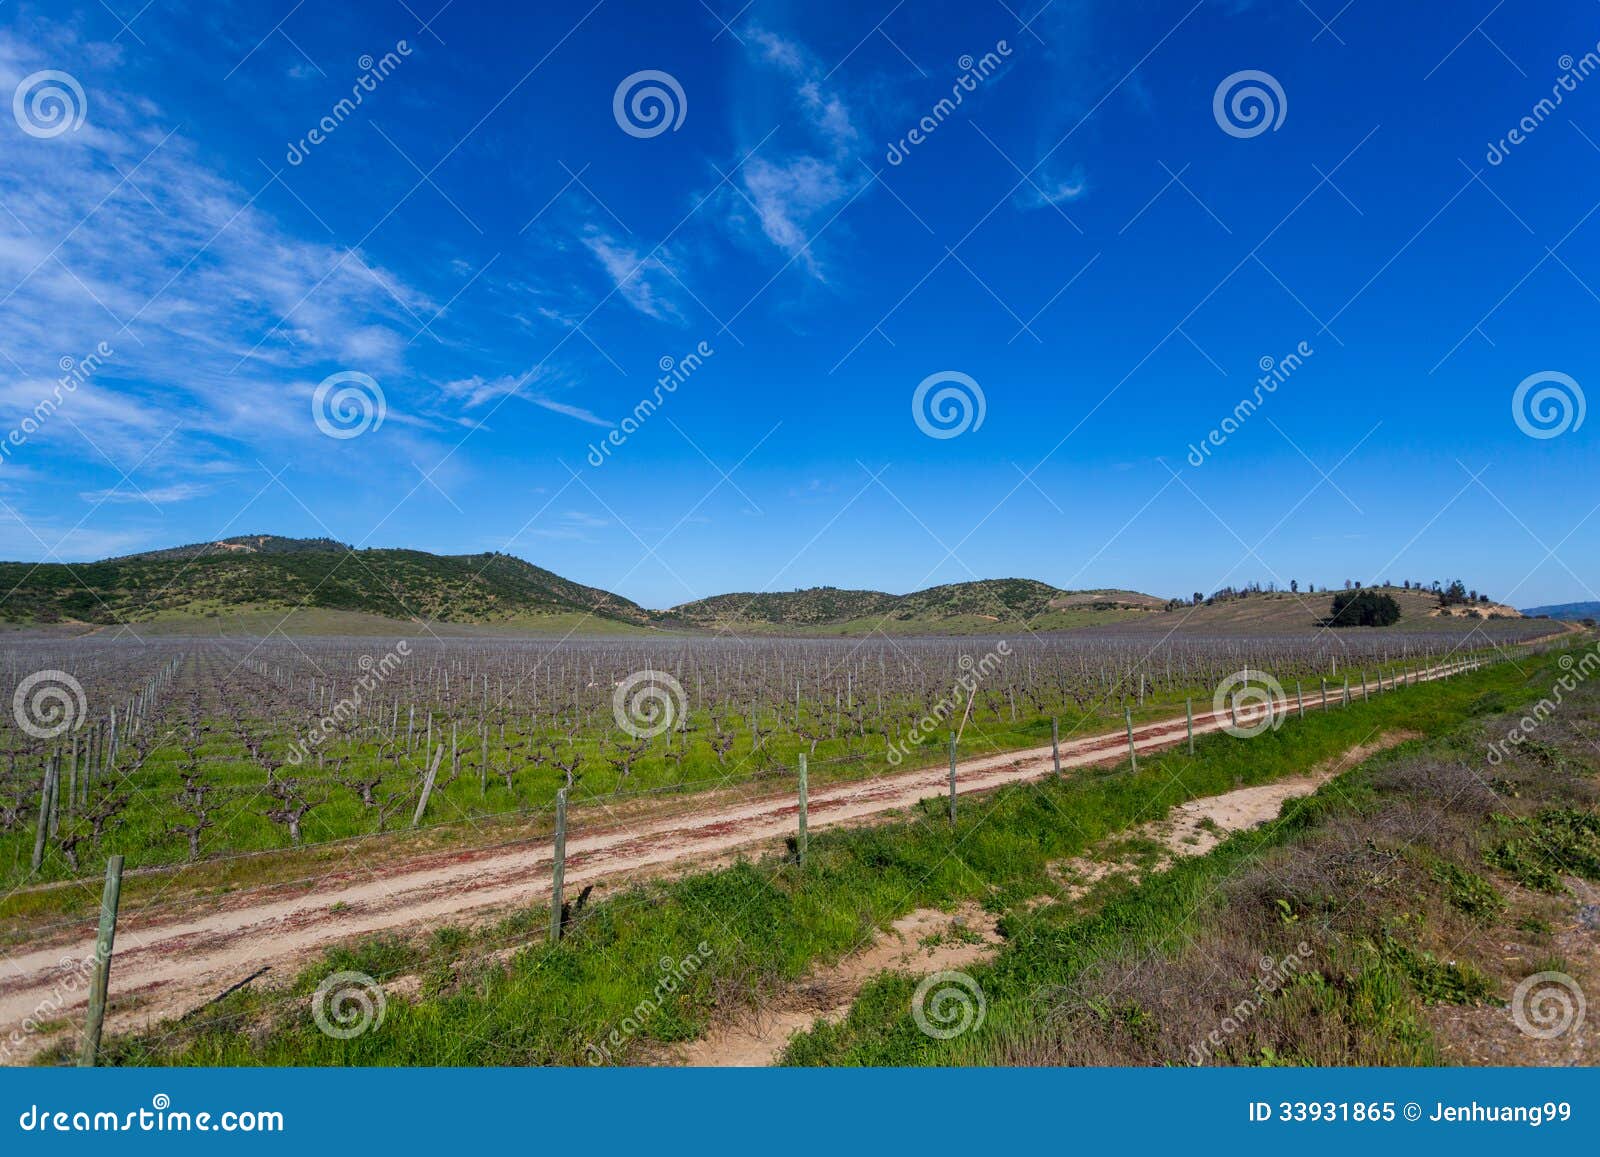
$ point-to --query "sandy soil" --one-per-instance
(1196, 826)
(920, 943)
(165, 966)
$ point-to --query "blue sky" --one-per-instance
(484, 239)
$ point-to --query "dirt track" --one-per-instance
(164, 967)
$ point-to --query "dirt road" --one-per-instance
(165, 966)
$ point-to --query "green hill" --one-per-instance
(982, 606)
(265, 573)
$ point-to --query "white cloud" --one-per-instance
(577, 412)
(1045, 190)
(121, 232)
(633, 275)
(124, 493)
(793, 193)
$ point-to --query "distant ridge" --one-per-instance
(1569, 612)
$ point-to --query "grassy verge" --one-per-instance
(501, 996)
(1334, 936)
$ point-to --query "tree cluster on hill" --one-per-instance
(1367, 608)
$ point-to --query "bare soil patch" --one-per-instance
(920, 943)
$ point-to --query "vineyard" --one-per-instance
(170, 753)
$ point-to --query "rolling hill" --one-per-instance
(256, 573)
(1280, 612)
(978, 607)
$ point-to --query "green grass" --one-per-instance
(766, 924)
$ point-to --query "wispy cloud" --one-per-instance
(123, 233)
(638, 279)
(1046, 190)
(786, 195)
(577, 412)
(177, 492)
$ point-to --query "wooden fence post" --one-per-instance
(558, 869)
(427, 786)
(1133, 754)
(800, 835)
(100, 982)
(1055, 743)
(1300, 698)
(952, 779)
(44, 819)
(1324, 694)
(1188, 718)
